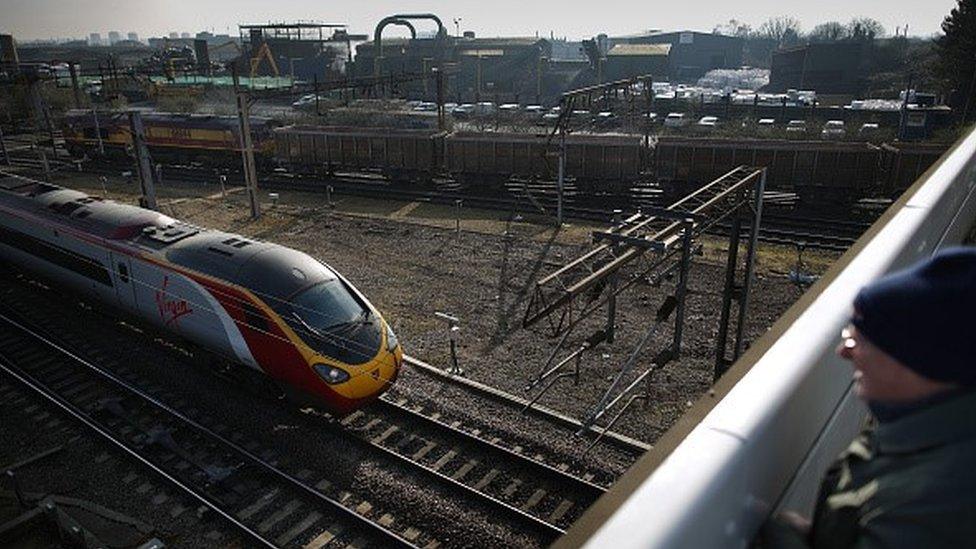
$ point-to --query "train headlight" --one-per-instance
(331, 374)
(391, 339)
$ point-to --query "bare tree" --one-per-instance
(733, 28)
(781, 29)
(865, 28)
(831, 31)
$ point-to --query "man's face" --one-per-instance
(879, 377)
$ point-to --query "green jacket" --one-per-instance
(907, 483)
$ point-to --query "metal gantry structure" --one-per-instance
(652, 245)
(584, 97)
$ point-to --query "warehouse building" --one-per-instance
(828, 68)
(691, 53)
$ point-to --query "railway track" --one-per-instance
(781, 225)
(518, 482)
(241, 487)
(523, 487)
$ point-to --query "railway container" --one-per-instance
(819, 172)
(594, 162)
(395, 153)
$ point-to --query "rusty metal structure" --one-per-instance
(651, 245)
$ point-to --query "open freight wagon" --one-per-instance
(594, 163)
(822, 173)
(399, 154)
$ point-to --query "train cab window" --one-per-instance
(123, 273)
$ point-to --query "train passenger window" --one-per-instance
(123, 273)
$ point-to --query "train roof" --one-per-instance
(267, 269)
(95, 215)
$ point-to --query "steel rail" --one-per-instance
(51, 396)
(583, 486)
(350, 184)
(620, 441)
(514, 512)
(388, 536)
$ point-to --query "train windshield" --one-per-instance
(328, 306)
(333, 321)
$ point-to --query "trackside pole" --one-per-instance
(143, 162)
(247, 147)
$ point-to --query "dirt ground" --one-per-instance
(409, 260)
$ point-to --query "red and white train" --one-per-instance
(260, 305)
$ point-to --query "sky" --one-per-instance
(33, 19)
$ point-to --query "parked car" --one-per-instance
(796, 126)
(708, 122)
(550, 117)
(675, 120)
(485, 108)
(426, 107)
(534, 109)
(509, 108)
(766, 122)
(305, 101)
(580, 116)
(833, 128)
(868, 129)
(463, 111)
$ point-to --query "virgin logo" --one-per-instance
(170, 309)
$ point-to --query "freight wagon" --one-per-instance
(400, 154)
(906, 162)
(593, 162)
(819, 172)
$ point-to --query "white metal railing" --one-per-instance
(764, 446)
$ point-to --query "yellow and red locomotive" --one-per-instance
(262, 306)
(207, 139)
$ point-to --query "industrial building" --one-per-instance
(692, 53)
(305, 51)
(503, 69)
(829, 68)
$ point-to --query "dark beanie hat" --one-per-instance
(925, 316)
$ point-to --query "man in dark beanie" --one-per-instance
(909, 480)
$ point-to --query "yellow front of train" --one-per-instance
(352, 354)
(357, 385)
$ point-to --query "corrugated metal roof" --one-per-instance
(639, 49)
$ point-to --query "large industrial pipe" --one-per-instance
(402, 20)
(408, 24)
